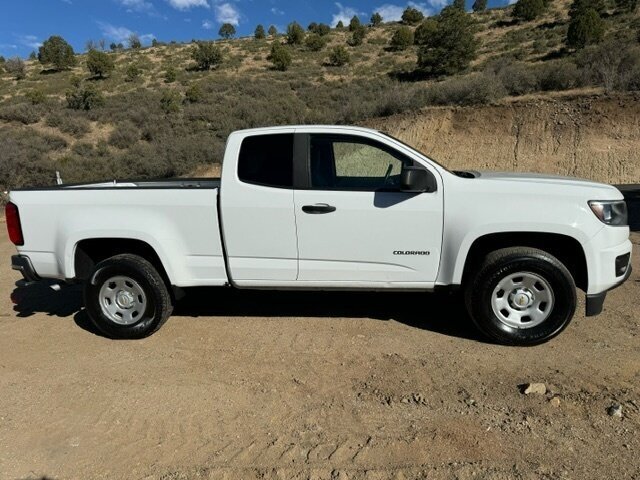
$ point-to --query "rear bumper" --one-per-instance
(23, 264)
(595, 302)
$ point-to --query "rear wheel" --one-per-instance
(126, 297)
(521, 296)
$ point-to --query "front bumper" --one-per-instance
(595, 302)
(23, 264)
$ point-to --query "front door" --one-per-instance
(355, 226)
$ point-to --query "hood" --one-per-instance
(551, 180)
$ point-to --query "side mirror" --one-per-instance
(417, 180)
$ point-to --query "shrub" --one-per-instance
(295, 33)
(479, 6)
(402, 38)
(528, 9)
(206, 55)
(132, 72)
(560, 75)
(125, 135)
(626, 6)
(57, 52)
(459, 4)
(451, 46)
(99, 63)
(84, 97)
(611, 65)
(357, 37)
(259, 33)
(22, 112)
(412, 16)
(170, 74)
(134, 41)
(517, 78)
(15, 66)
(315, 42)
(322, 29)
(193, 94)
(279, 57)
(227, 31)
(475, 89)
(579, 6)
(425, 31)
(73, 125)
(36, 96)
(354, 24)
(586, 28)
(376, 19)
(273, 31)
(170, 101)
(340, 25)
(339, 56)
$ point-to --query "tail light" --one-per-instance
(13, 224)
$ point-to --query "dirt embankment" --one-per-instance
(595, 137)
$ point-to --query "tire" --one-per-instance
(521, 296)
(125, 297)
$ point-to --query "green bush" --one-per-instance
(611, 65)
(134, 42)
(559, 75)
(227, 31)
(15, 67)
(585, 28)
(425, 31)
(339, 56)
(273, 31)
(207, 55)
(170, 101)
(99, 63)
(295, 33)
(193, 94)
(170, 74)
(322, 29)
(57, 52)
(474, 89)
(528, 9)
(479, 6)
(259, 33)
(402, 38)
(280, 57)
(376, 19)
(451, 47)
(36, 96)
(354, 24)
(412, 16)
(357, 37)
(626, 6)
(315, 42)
(132, 72)
(84, 97)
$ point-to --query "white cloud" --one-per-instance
(8, 46)
(187, 4)
(207, 25)
(30, 41)
(277, 11)
(393, 13)
(227, 13)
(344, 15)
(122, 34)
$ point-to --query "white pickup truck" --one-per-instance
(330, 207)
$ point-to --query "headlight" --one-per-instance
(611, 212)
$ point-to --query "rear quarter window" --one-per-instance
(267, 160)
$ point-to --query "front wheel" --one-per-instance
(126, 297)
(521, 296)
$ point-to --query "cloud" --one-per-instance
(393, 13)
(187, 4)
(8, 46)
(344, 15)
(30, 41)
(122, 34)
(207, 25)
(277, 11)
(142, 6)
(227, 13)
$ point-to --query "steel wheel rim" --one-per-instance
(122, 300)
(522, 300)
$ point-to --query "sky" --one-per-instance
(24, 24)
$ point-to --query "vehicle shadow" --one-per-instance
(441, 312)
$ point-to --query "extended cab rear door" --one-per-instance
(355, 227)
(256, 200)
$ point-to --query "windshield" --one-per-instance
(414, 149)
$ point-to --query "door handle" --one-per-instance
(318, 208)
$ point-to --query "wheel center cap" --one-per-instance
(521, 299)
(124, 299)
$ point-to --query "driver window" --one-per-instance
(353, 163)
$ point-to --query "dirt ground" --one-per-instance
(312, 385)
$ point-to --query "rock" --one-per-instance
(615, 410)
(537, 388)
(555, 402)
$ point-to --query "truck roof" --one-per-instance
(344, 128)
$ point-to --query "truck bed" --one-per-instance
(169, 183)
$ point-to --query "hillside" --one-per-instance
(151, 125)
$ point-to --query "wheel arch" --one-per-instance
(565, 248)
